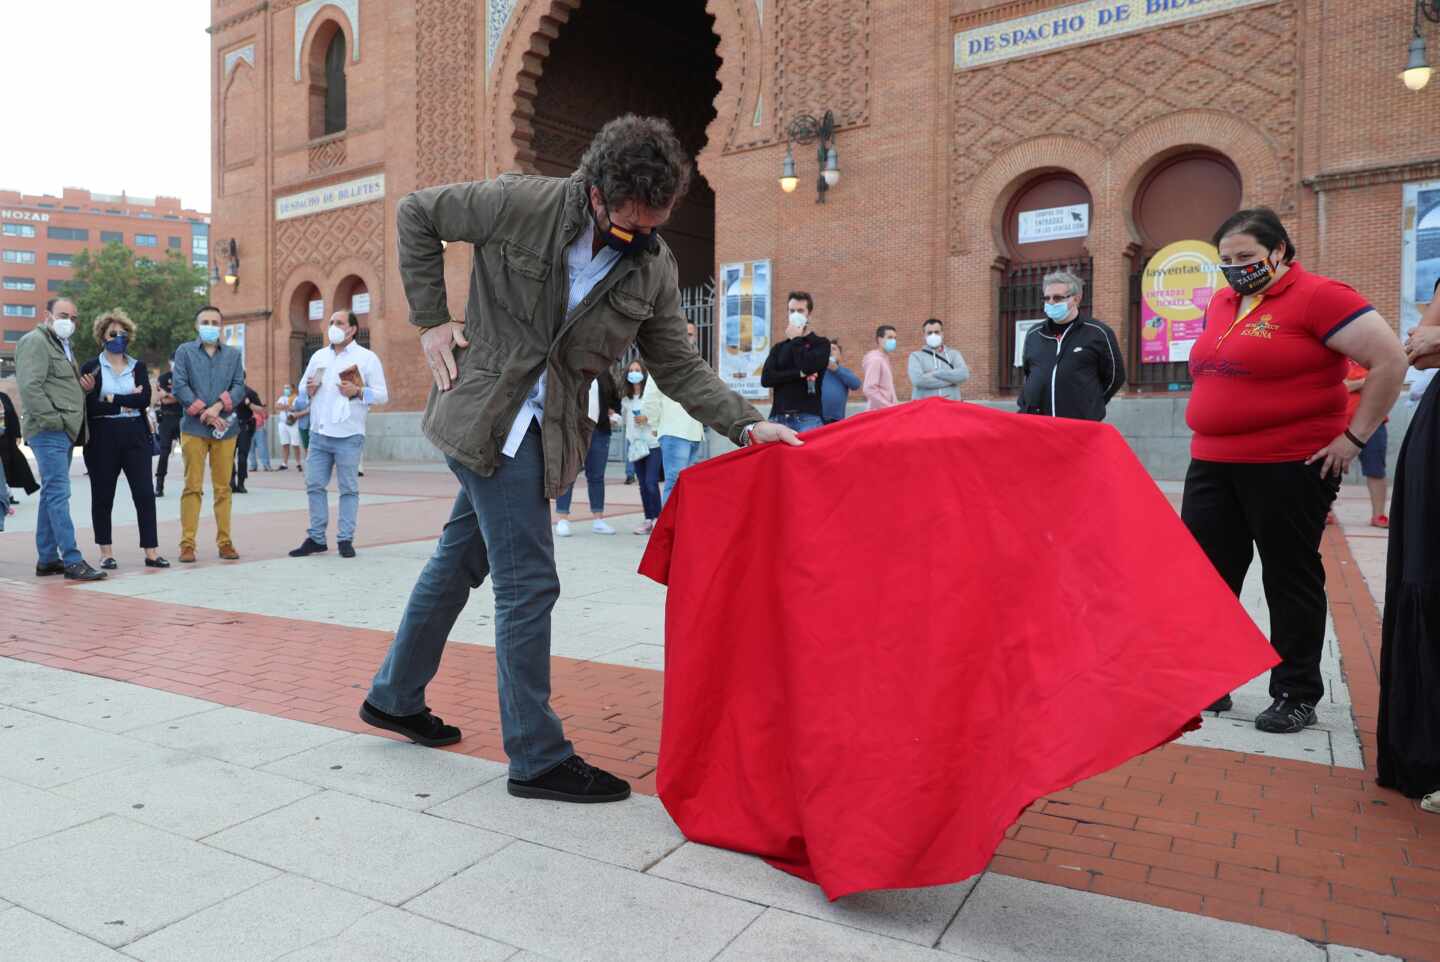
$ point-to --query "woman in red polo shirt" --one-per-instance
(1270, 438)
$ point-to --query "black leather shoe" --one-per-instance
(49, 568)
(239, 489)
(573, 780)
(159, 488)
(308, 547)
(81, 571)
(156, 563)
(1223, 703)
(425, 728)
(109, 564)
(347, 549)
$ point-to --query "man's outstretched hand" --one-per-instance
(438, 344)
(768, 432)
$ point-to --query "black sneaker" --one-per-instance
(159, 488)
(425, 728)
(1286, 716)
(81, 571)
(308, 547)
(573, 780)
(347, 549)
(49, 568)
(1223, 703)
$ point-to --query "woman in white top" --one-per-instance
(642, 444)
(287, 426)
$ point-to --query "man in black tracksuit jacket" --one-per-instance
(1072, 366)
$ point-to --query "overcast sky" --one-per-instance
(108, 95)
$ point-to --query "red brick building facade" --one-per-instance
(41, 234)
(1160, 120)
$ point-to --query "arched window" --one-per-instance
(335, 84)
(328, 107)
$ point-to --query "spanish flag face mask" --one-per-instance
(627, 241)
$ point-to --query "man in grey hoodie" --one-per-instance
(936, 370)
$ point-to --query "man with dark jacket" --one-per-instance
(567, 273)
(52, 402)
(1072, 365)
(14, 469)
(795, 369)
(167, 420)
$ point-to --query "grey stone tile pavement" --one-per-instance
(246, 818)
(389, 771)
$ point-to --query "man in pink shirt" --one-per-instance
(879, 384)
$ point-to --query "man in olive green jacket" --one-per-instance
(52, 420)
(568, 272)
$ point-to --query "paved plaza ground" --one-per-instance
(182, 776)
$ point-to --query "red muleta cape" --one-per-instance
(882, 646)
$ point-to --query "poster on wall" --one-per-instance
(317, 310)
(360, 304)
(233, 335)
(1022, 331)
(1054, 223)
(1419, 252)
(1175, 288)
(745, 325)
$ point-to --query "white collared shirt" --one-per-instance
(332, 413)
(585, 269)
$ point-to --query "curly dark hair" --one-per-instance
(639, 159)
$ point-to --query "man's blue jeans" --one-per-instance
(799, 422)
(54, 531)
(260, 448)
(676, 454)
(343, 454)
(499, 527)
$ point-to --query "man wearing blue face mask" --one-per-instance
(209, 382)
(1072, 364)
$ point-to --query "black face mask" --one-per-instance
(1246, 279)
(627, 241)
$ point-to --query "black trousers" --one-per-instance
(169, 434)
(1232, 509)
(243, 440)
(120, 445)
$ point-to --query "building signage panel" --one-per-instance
(332, 197)
(1175, 288)
(1078, 23)
(23, 215)
(1054, 223)
(744, 297)
(1419, 251)
(360, 304)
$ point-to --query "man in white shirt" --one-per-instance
(341, 382)
(680, 434)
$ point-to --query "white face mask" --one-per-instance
(338, 334)
(798, 320)
(63, 327)
(934, 341)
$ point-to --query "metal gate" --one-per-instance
(1022, 298)
(1170, 376)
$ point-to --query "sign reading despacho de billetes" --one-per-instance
(358, 191)
(1078, 23)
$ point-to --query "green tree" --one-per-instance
(161, 297)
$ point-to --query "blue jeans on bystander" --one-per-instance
(54, 531)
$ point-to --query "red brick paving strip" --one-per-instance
(1292, 846)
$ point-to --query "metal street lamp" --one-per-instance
(805, 129)
(232, 270)
(1417, 69)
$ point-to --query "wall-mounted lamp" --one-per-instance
(232, 269)
(1417, 69)
(805, 129)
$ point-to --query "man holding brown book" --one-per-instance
(340, 384)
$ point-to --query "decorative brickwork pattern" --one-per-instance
(445, 65)
(823, 61)
(324, 240)
(238, 117)
(1102, 93)
(327, 154)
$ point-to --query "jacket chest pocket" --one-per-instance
(603, 337)
(517, 280)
